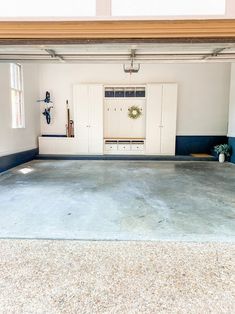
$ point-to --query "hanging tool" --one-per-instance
(47, 110)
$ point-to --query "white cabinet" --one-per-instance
(161, 115)
(169, 118)
(88, 117)
(153, 119)
(57, 145)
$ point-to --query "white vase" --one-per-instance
(221, 157)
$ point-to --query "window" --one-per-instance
(167, 7)
(17, 97)
(47, 8)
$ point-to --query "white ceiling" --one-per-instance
(119, 53)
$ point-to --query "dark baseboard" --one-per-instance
(13, 160)
(198, 144)
(231, 141)
(124, 157)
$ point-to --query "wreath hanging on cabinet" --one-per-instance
(134, 112)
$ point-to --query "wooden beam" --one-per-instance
(114, 30)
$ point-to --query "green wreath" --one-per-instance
(134, 112)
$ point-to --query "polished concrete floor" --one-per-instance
(123, 200)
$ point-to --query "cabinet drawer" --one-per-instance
(111, 147)
(124, 147)
(137, 147)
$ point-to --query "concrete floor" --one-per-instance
(124, 200)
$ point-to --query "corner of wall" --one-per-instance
(19, 145)
(231, 124)
(231, 142)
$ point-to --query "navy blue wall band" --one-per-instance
(13, 160)
(196, 144)
(231, 142)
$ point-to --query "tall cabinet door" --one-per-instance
(169, 117)
(81, 118)
(153, 119)
(88, 118)
(161, 119)
(96, 96)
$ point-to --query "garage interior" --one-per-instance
(183, 92)
(112, 197)
(190, 84)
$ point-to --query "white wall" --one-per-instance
(203, 91)
(231, 126)
(17, 140)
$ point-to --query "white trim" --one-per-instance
(103, 8)
(230, 9)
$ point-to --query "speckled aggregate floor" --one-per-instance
(124, 200)
(68, 277)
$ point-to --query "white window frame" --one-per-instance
(17, 101)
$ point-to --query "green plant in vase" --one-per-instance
(223, 151)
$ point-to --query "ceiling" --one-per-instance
(119, 53)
